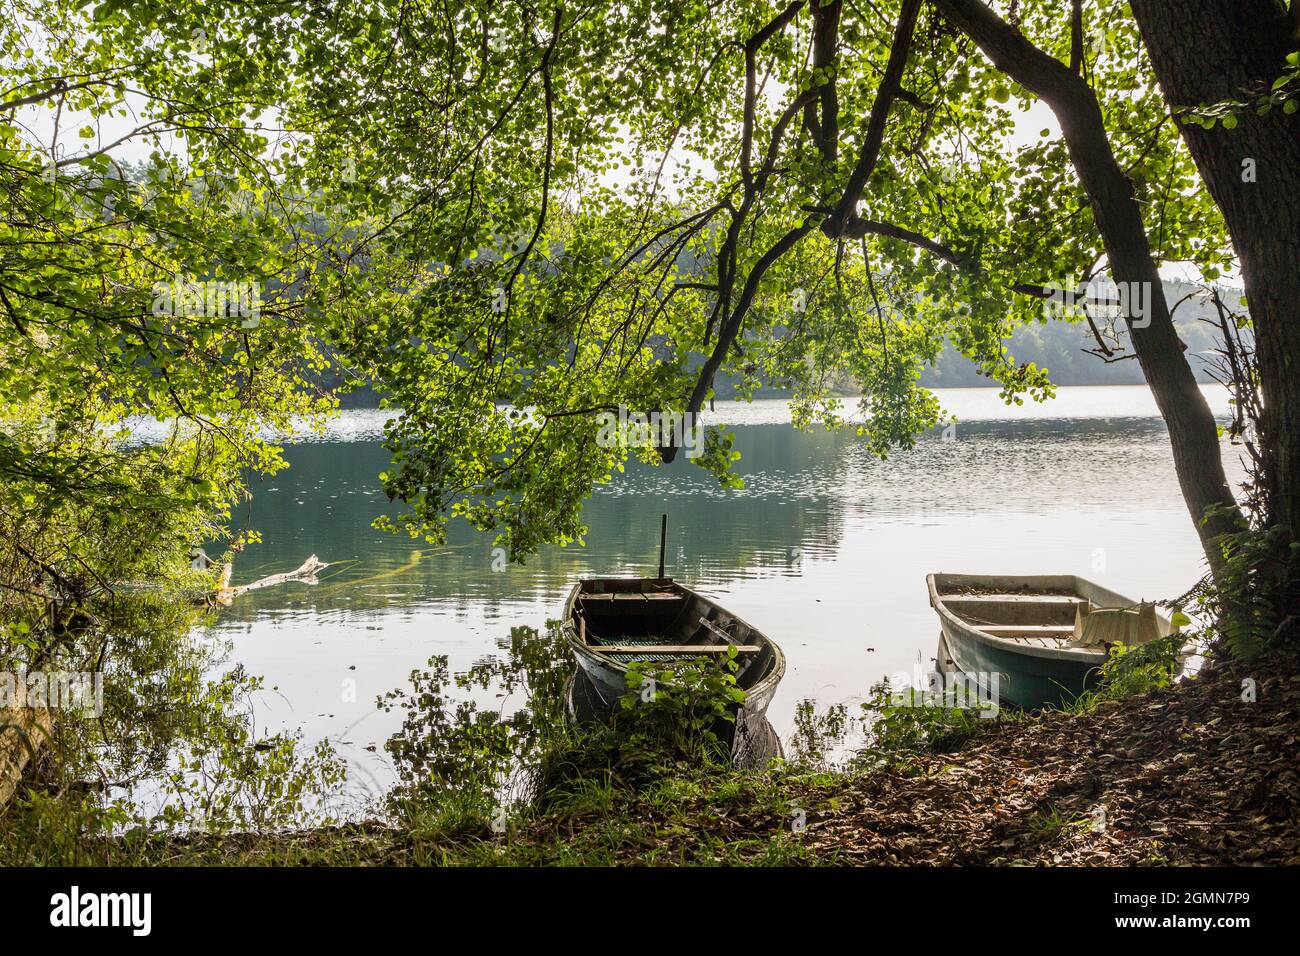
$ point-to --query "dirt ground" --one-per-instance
(1195, 775)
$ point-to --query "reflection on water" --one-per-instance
(826, 549)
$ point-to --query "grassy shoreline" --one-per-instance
(1193, 774)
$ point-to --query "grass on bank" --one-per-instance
(652, 788)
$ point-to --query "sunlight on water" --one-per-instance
(826, 550)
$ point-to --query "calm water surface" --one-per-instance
(825, 549)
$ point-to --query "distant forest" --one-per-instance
(1059, 346)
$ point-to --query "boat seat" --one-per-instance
(1032, 599)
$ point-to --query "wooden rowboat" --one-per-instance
(1044, 635)
(611, 622)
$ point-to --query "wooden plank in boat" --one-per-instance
(1012, 598)
(674, 648)
(1012, 630)
(1039, 641)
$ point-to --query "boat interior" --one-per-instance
(654, 619)
(1053, 614)
(1045, 620)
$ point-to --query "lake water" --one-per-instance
(826, 549)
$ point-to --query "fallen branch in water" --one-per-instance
(306, 574)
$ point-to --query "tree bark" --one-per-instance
(24, 734)
(1193, 432)
(1205, 52)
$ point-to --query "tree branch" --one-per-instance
(856, 228)
(890, 85)
(752, 46)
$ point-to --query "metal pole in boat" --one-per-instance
(663, 541)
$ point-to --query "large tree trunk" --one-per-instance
(1192, 430)
(1207, 51)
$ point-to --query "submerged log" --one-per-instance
(305, 574)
